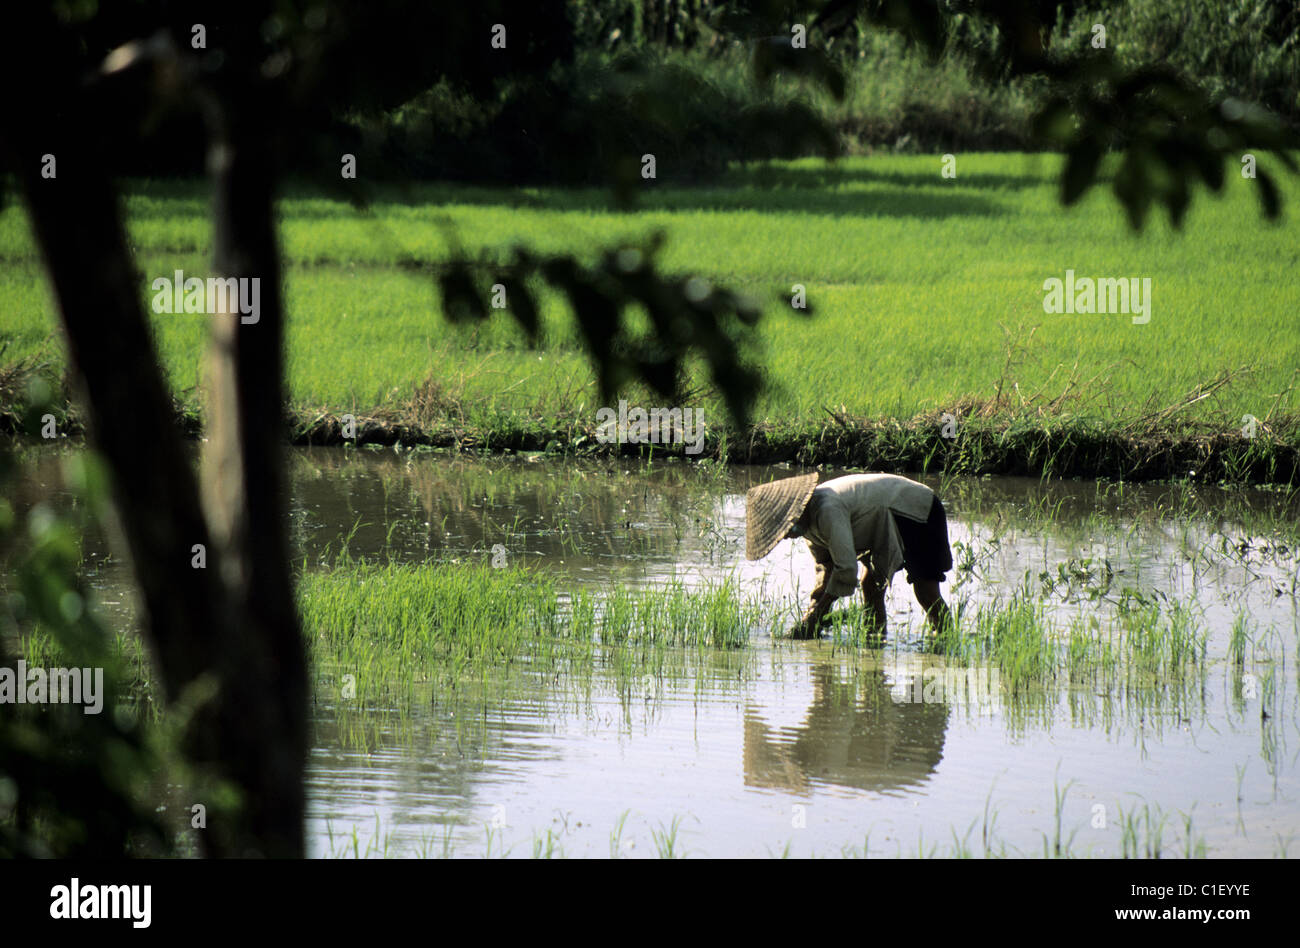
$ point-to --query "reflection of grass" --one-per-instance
(1144, 832)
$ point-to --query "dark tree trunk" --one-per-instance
(245, 489)
(77, 224)
(234, 624)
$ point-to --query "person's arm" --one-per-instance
(821, 599)
(837, 565)
(838, 531)
(811, 622)
(825, 565)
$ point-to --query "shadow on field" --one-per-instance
(878, 202)
(833, 190)
(837, 176)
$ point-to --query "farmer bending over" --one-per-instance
(884, 521)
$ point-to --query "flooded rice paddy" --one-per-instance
(834, 747)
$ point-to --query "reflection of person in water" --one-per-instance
(856, 734)
(884, 521)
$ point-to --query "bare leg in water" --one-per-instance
(936, 610)
(873, 601)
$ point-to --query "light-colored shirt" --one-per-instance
(851, 516)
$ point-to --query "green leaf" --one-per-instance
(1081, 164)
(522, 305)
(1283, 156)
(1269, 198)
(1133, 188)
(1176, 199)
(1209, 164)
(1054, 121)
(460, 297)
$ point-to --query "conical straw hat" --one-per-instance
(771, 508)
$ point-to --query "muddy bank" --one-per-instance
(980, 446)
(1040, 447)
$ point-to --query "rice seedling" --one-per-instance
(921, 851)
(495, 835)
(1268, 722)
(989, 826)
(961, 845)
(849, 851)
(1059, 849)
(547, 847)
(1142, 832)
(395, 631)
(665, 840)
(1194, 847)
(616, 844)
(1237, 641)
(1241, 776)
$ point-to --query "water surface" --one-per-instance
(810, 748)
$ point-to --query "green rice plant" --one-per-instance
(921, 851)
(849, 851)
(1160, 640)
(547, 847)
(1237, 640)
(1059, 849)
(665, 840)
(1241, 777)
(616, 836)
(1091, 657)
(1193, 847)
(785, 851)
(394, 619)
(961, 845)
(495, 835)
(989, 827)
(388, 630)
(713, 616)
(1142, 832)
(1269, 736)
(618, 616)
(1016, 638)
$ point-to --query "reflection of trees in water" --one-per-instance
(580, 509)
(570, 510)
(854, 735)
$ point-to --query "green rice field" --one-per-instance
(926, 297)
